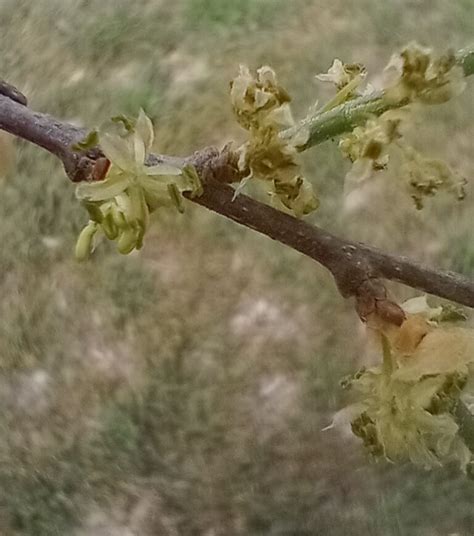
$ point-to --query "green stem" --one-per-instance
(387, 357)
(343, 118)
(347, 116)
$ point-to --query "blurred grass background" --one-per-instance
(182, 390)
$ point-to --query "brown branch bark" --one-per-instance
(358, 269)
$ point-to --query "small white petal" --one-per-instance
(336, 73)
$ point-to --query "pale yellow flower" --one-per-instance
(405, 407)
(120, 205)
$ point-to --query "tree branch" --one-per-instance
(357, 268)
(352, 264)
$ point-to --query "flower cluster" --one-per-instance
(407, 405)
(370, 147)
(416, 74)
(261, 106)
(119, 206)
(426, 176)
(413, 75)
(347, 78)
(367, 146)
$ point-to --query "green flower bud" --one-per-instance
(94, 211)
(127, 241)
(84, 244)
(118, 217)
(109, 227)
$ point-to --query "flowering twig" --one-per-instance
(357, 268)
(321, 127)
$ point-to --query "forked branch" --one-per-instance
(357, 268)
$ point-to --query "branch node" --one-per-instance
(372, 299)
(214, 165)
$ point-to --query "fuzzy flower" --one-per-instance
(405, 408)
(262, 107)
(397, 424)
(341, 74)
(260, 101)
(416, 74)
(347, 79)
(427, 176)
(367, 146)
